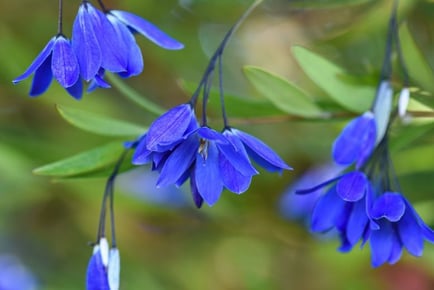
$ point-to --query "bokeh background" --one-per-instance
(243, 242)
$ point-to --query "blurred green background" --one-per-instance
(243, 242)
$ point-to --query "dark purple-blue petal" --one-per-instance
(231, 177)
(410, 233)
(64, 64)
(147, 29)
(396, 252)
(169, 128)
(207, 175)
(76, 90)
(133, 54)
(39, 60)
(96, 277)
(141, 154)
(211, 134)
(114, 52)
(85, 43)
(198, 200)
(42, 78)
(326, 211)
(236, 154)
(261, 153)
(355, 140)
(382, 243)
(178, 161)
(357, 222)
(390, 206)
(352, 186)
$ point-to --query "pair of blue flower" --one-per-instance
(365, 203)
(101, 41)
(103, 269)
(180, 149)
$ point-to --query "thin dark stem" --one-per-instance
(101, 4)
(60, 19)
(108, 193)
(222, 96)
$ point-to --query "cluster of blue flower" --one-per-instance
(101, 41)
(365, 203)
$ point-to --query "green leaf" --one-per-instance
(284, 95)
(418, 68)
(134, 96)
(81, 163)
(99, 124)
(236, 106)
(328, 76)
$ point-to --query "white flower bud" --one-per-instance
(114, 269)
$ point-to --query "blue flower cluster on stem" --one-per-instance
(366, 204)
(102, 41)
(181, 148)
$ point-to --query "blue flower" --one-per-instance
(103, 268)
(14, 275)
(56, 60)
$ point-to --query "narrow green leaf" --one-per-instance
(284, 95)
(99, 124)
(418, 68)
(81, 163)
(328, 76)
(236, 106)
(134, 96)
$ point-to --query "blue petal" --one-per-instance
(98, 82)
(396, 251)
(207, 175)
(113, 49)
(427, 232)
(261, 153)
(39, 60)
(357, 222)
(76, 90)
(133, 54)
(85, 43)
(198, 200)
(356, 141)
(178, 162)
(369, 203)
(169, 128)
(390, 206)
(352, 186)
(410, 233)
(231, 177)
(141, 154)
(147, 29)
(326, 211)
(64, 63)
(382, 243)
(42, 78)
(236, 154)
(213, 135)
(96, 277)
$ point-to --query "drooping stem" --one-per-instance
(60, 19)
(222, 96)
(101, 4)
(108, 193)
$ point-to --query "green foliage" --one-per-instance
(284, 95)
(84, 162)
(319, 4)
(330, 77)
(100, 125)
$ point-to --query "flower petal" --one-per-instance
(410, 233)
(39, 60)
(232, 179)
(178, 161)
(382, 243)
(96, 277)
(390, 206)
(169, 128)
(76, 90)
(356, 140)
(85, 43)
(213, 135)
(114, 269)
(64, 63)
(147, 29)
(42, 78)
(141, 154)
(207, 175)
(357, 222)
(352, 186)
(198, 200)
(261, 153)
(326, 211)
